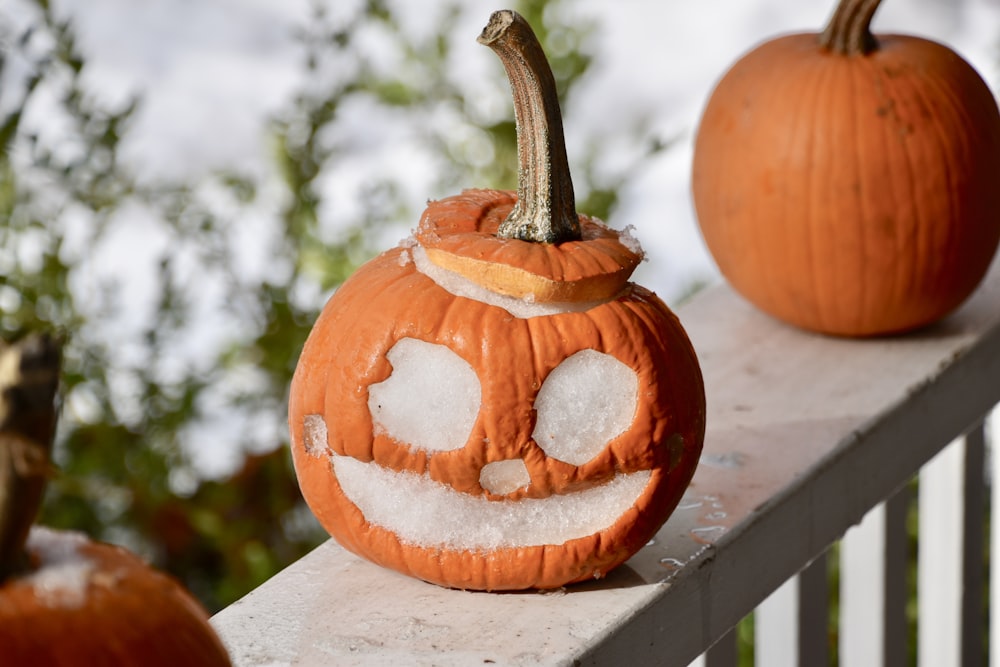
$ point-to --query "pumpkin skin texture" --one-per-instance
(851, 193)
(125, 613)
(389, 299)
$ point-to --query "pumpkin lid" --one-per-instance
(531, 245)
(459, 234)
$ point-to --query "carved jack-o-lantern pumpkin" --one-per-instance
(493, 405)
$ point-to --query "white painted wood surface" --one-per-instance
(805, 435)
(776, 623)
(862, 603)
(939, 564)
(873, 568)
(790, 625)
(949, 566)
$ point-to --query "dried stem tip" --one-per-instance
(29, 375)
(546, 210)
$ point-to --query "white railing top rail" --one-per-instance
(805, 434)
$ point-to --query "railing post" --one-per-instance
(994, 643)
(790, 626)
(973, 575)
(873, 560)
(950, 564)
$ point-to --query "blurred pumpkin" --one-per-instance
(848, 183)
(565, 405)
(65, 600)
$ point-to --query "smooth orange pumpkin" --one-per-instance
(515, 307)
(848, 183)
(65, 600)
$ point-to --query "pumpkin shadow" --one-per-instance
(949, 327)
(622, 576)
(956, 324)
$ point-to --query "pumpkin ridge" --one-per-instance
(937, 159)
(906, 224)
(819, 227)
(967, 160)
(933, 142)
(861, 204)
(846, 264)
(795, 219)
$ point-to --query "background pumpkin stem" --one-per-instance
(29, 375)
(849, 29)
(546, 209)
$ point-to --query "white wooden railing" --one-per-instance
(810, 440)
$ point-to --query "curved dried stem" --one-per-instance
(849, 30)
(546, 208)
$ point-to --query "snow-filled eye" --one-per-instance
(586, 401)
(431, 399)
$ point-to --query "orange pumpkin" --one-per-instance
(848, 183)
(65, 600)
(524, 302)
(88, 603)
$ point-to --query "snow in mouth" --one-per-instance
(426, 513)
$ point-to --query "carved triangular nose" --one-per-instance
(503, 477)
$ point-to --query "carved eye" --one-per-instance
(587, 400)
(431, 399)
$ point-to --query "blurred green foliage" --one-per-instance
(138, 403)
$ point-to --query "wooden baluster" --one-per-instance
(790, 627)
(873, 565)
(950, 577)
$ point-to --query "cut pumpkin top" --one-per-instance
(459, 234)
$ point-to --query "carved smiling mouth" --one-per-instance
(426, 513)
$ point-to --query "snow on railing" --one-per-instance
(809, 438)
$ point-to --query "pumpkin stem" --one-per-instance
(546, 210)
(849, 30)
(29, 375)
